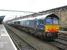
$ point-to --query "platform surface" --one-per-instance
(5, 41)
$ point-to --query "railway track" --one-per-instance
(63, 36)
(20, 44)
(34, 43)
(61, 42)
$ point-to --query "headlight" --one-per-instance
(57, 28)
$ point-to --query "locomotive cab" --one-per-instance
(51, 26)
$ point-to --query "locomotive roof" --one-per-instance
(40, 17)
(53, 16)
(32, 18)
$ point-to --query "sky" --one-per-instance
(28, 5)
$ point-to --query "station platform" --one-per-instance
(5, 41)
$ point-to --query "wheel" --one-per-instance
(47, 37)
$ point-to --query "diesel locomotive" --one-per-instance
(45, 27)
